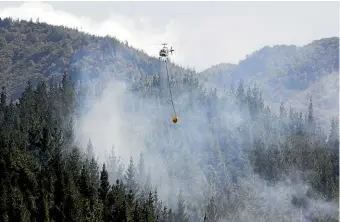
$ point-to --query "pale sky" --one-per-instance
(202, 33)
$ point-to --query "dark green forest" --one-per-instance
(47, 72)
(45, 178)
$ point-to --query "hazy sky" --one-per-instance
(203, 33)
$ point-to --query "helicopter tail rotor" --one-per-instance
(171, 50)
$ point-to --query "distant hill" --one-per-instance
(288, 73)
(217, 73)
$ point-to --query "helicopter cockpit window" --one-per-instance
(162, 52)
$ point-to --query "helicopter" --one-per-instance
(164, 52)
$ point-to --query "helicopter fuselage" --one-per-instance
(163, 53)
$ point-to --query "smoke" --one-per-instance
(284, 201)
(108, 124)
(184, 156)
(132, 124)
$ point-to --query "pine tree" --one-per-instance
(333, 138)
(136, 214)
(310, 119)
(75, 209)
(84, 182)
(75, 162)
(171, 217)
(90, 150)
(141, 170)
(130, 178)
(282, 111)
(212, 215)
(205, 219)
(94, 175)
(3, 99)
(113, 163)
(310, 111)
(104, 184)
(59, 189)
(240, 96)
(116, 168)
(148, 186)
(164, 215)
(149, 208)
(180, 215)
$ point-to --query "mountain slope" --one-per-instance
(290, 73)
(34, 51)
(296, 67)
(217, 73)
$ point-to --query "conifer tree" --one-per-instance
(104, 184)
(181, 215)
(130, 178)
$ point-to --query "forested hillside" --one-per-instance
(36, 51)
(290, 73)
(102, 147)
(295, 67)
(291, 66)
(46, 178)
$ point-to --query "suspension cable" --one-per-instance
(167, 73)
